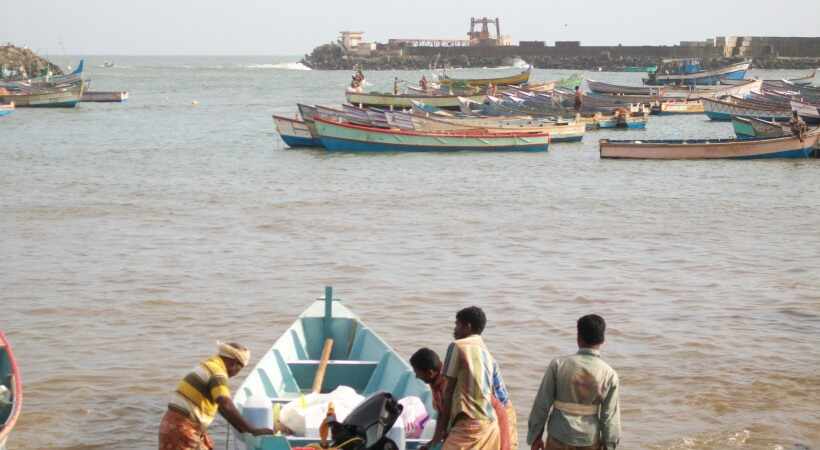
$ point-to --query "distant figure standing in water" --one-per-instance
(578, 398)
(578, 98)
(199, 396)
(396, 86)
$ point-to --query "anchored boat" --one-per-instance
(6, 109)
(688, 73)
(751, 128)
(326, 347)
(343, 136)
(405, 101)
(511, 80)
(11, 390)
(295, 132)
(785, 147)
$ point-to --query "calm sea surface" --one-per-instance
(135, 235)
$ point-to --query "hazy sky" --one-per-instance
(279, 27)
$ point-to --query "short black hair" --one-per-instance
(474, 316)
(591, 329)
(425, 359)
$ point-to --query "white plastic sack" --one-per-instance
(413, 415)
(304, 415)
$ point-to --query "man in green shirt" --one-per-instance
(578, 398)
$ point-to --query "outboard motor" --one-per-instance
(366, 427)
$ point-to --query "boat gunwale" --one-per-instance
(473, 133)
(16, 389)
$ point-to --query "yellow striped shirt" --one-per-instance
(197, 393)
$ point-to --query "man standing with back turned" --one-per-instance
(581, 390)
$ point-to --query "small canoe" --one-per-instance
(751, 128)
(11, 390)
(405, 101)
(785, 147)
(804, 80)
(296, 133)
(359, 358)
(6, 109)
(512, 80)
(558, 131)
(340, 136)
(104, 96)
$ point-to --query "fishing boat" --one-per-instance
(104, 96)
(295, 132)
(809, 112)
(662, 93)
(751, 128)
(784, 147)
(512, 80)
(692, 74)
(342, 136)
(405, 101)
(806, 80)
(326, 347)
(723, 111)
(647, 69)
(5, 110)
(63, 97)
(11, 390)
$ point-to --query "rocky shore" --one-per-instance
(333, 57)
(20, 63)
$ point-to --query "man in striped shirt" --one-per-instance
(199, 396)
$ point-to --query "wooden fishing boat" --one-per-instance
(809, 112)
(295, 132)
(751, 128)
(722, 111)
(326, 347)
(66, 97)
(340, 136)
(511, 80)
(5, 110)
(680, 107)
(558, 131)
(806, 80)
(11, 390)
(702, 77)
(784, 147)
(649, 93)
(104, 96)
(404, 101)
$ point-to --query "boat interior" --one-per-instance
(6, 380)
(359, 359)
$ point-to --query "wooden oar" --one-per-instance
(320, 371)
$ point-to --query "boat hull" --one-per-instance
(721, 111)
(347, 137)
(511, 80)
(104, 97)
(62, 98)
(295, 133)
(10, 378)
(787, 147)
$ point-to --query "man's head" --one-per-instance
(794, 113)
(426, 364)
(235, 356)
(591, 330)
(577, 87)
(469, 321)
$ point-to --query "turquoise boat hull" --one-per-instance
(10, 380)
(359, 359)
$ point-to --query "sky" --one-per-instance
(279, 27)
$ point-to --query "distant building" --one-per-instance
(350, 39)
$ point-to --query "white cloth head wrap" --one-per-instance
(234, 351)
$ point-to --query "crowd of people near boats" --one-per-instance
(577, 405)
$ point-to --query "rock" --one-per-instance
(18, 63)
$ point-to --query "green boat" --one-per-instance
(11, 390)
(359, 359)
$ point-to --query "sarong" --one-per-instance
(503, 424)
(178, 432)
(471, 434)
(512, 420)
(553, 444)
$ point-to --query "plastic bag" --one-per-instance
(414, 415)
(304, 415)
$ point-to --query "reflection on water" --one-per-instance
(136, 235)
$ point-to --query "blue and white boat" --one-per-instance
(11, 390)
(691, 74)
(358, 358)
(5, 110)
